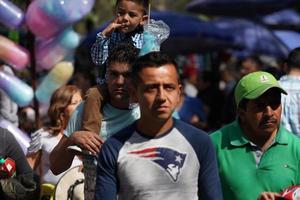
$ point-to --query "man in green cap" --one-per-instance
(257, 157)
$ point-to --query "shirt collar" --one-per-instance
(237, 137)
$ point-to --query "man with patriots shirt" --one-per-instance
(157, 157)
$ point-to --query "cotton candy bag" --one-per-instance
(155, 33)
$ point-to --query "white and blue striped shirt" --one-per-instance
(291, 103)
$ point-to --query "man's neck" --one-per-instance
(154, 129)
(262, 140)
(120, 104)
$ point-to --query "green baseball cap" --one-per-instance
(254, 85)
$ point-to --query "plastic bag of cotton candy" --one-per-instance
(155, 32)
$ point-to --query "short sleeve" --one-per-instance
(106, 182)
(74, 123)
(14, 151)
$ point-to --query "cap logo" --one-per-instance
(264, 78)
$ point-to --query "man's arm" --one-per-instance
(209, 181)
(99, 50)
(106, 182)
(61, 158)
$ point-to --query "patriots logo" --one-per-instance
(168, 159)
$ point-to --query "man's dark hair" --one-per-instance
(153, 59)
(123, 53)
(243, 104)
(144, 3)
(293, 60)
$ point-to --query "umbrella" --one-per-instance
(285, 19)
(188, 34)
(290, 38)
(284, 24)
(253, 37)
(287, 16)
(241, 8)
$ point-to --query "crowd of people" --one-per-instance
(153, 129)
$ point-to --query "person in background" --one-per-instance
(83, 79)
(191, 111)
(116, 112)
(257, 156)
(228, 78)
(211, 96)
(27, 121)
(157, 157)
(16, 176)
(8, 108)
(62, 104)
(249, 64)
(291, 83)
(190, 78)
(126, 27)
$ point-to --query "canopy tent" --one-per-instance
(238, 8)
(290, 38)
(285, 24)
(253, 37)
(287, 19)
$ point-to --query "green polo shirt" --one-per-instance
(241, 177)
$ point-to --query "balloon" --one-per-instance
(59, 75)
(10, 15)
(17, 90)
(13, 54)
(45, 18)
(51, 51)
(21, 137)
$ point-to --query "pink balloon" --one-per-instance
(39, 22)
(13, 54)
(48, 52)
(45, 18)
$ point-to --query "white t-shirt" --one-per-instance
(44, 141)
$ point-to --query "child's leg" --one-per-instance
(92, 116)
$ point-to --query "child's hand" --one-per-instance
(87, 140)
(115, 24)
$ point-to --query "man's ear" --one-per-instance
(240, 112)
(180, 92)
(180, 89)
(144, 20)
(285, 67)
